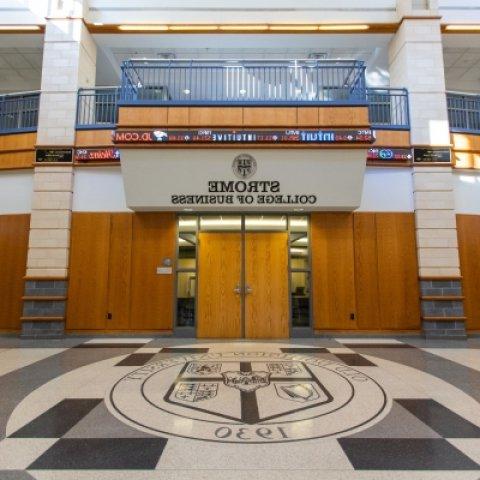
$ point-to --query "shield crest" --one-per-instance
(248, 392)
(246, 381)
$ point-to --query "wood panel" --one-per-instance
(142, 116)
(88, 276)
(215, 116)
(307, 116)
(343, 117)
(392, 138)
(18, 141)
(93, 138)
(398, 289)
(17, 150)
(266, 273)
(13, 258)
(152, 294)
(333, 271)
(219, 273)
(465, 142)
(13, 160)
(468, 227)
(269, 117)
(119, 271)
(178, 116)
(366, 272)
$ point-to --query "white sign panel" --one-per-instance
(251, 180)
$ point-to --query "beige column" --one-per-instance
(416, 62)
(69, 62)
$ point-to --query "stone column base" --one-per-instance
(44, 307)
(451, 329)
(43, 329)
(442, 308)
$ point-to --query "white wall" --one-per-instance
(99, 189)
(16, 187)
(387, 190)
(467, 192)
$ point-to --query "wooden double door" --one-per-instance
(243, 285)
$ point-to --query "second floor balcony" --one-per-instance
(243, 82)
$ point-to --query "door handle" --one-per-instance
(248, 289)
(238, 289)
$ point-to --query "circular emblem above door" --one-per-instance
(244, 166)
(254, 397)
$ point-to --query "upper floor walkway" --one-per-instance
(239, 83)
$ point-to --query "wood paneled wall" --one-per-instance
(17, 150)
(468, 227)
(243, 116)
(93, 138)
(113, 262)
(365, 264)
(333, 271)
(13, 258)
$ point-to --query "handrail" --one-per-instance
(464, 112)
(245, 82)
(19, 112)
(97, 107)
(388, 108)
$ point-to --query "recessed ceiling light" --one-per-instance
(462, 28)
(244, 27)
(343, 27)
(143, 28)
(299, 28)
(19, 27)
(181, 28)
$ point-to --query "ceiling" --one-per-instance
(114, 49)
(462, 62)
(20, 62)
(21, 55)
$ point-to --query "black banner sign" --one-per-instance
(54, 155)
(389, 154)
(245, 136)
(97, 155)
(432, 155)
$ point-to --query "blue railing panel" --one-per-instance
(388, 108)
(464, 112)
(179, 82)
(19, 112)
(97, 107)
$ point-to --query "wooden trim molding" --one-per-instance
(44, 299)
(442, 299)
(444, 319)
(42, 319)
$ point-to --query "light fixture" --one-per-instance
(462, 28)
(343, 28)
(186, 91)
(243, 27)
(98, 24)
(143, 28)
(19, 27)
(243, 92)
(181, 28)
(297, 28)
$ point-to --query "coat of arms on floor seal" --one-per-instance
(248, 391)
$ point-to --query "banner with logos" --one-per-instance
(206, 136)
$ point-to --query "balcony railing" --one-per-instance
(296, 82)
(19, 112)
(388, 108)
(464, 112)
(97, 107)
